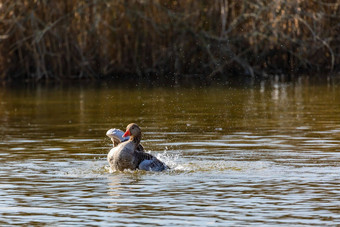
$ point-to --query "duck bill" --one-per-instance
(127, 133)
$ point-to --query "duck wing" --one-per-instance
(116, 136)
(149, 162)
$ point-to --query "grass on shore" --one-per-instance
(71, 39)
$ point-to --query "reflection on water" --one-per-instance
(264, 154)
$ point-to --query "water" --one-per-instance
(265, 154)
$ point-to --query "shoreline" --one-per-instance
(182, 81)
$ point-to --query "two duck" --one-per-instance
(128, 153)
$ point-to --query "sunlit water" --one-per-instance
(265, 154)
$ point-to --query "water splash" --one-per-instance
(170, 159)
(180, 164)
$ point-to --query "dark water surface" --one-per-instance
(266, 154)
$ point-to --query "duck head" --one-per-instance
(133, 130)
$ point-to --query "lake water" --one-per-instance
(263, 154)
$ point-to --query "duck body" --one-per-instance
(130, 154)
(123, 157)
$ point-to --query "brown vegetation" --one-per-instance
(65, 39)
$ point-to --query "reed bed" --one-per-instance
(167, 39)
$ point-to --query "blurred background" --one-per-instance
(167, 40)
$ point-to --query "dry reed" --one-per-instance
(71, 39)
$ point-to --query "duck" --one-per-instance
(128, 153)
